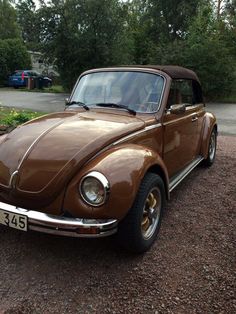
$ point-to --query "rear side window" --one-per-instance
(18, 73)
(197, 93)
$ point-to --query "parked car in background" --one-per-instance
(108, 163)
(20, 79)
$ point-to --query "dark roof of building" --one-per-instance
(174, 71)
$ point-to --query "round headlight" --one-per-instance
(94, 188)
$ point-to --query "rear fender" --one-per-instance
(208, 125)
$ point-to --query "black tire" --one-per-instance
(132, 234)
(211, 155)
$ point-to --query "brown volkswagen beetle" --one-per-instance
(107, 164)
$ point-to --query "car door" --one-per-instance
(182, 130)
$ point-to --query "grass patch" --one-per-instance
(57, 89)
(231, 99)
(12, 117)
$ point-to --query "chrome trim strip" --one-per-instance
(101, 178)
(147, 128)
(35, 142)
(150, 127)
(15, 173)
(74, 234)
(27, 153)
(64, 226)
(177, 120)
(177, 179)
(162, 93)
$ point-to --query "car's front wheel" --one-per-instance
(139, 229)
(211, 155)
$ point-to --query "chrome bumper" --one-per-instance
(59, 225)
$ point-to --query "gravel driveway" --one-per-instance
(190, 269)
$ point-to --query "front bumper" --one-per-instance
(59, 225)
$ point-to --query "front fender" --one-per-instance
(208, 125)
(124, 167)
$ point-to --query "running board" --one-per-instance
(182, 174)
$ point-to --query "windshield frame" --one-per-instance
(124, 69)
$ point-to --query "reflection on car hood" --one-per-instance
(48, 151)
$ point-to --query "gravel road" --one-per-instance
(190, 269)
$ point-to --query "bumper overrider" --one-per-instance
(24, 219)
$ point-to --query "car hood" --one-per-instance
(38, 158)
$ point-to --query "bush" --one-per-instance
(14, 118)
(13, 56)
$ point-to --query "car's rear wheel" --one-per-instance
(211, 149)
(139, 229)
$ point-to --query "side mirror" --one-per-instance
(66, 101)
(178, 109)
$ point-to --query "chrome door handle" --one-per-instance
(194, 119)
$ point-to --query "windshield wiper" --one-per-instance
(114, 105)
(79, 103)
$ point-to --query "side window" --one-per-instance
(174, 95)
(184, 92)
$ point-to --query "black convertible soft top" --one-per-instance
(174, 71)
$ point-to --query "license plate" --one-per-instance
(12, 220)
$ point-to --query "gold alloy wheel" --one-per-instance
(212, 146)
(151, 213)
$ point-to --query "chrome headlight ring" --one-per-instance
(95, 186)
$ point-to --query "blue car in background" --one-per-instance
(20, 79)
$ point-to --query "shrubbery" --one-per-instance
(12, 117)
(13, 56)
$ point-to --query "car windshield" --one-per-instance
(138, 91)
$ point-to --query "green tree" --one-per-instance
(138, 21)
(160, 25)
(8, 25)
(30, 24)
(229, 15)
(171, 18)
(85, 34)
(13, 56)
(208, 52)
